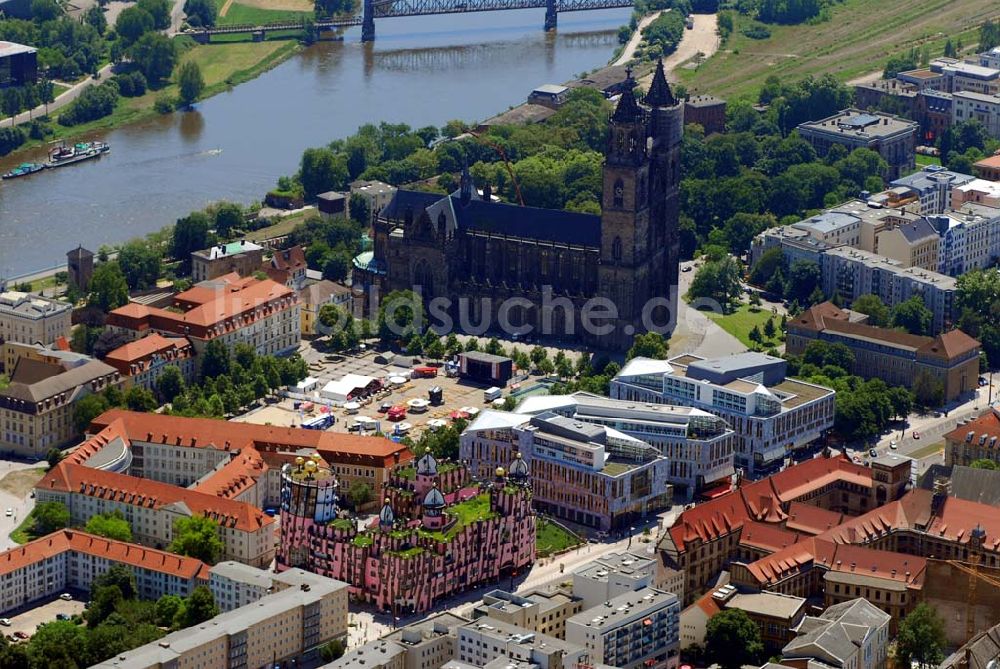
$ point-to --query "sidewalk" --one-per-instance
(67, 97)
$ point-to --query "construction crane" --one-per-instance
(503, 155)
(975, 544)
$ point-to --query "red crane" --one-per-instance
(503, 155)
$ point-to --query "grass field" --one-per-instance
(930, 449)
(927, 160)
(551, 538)
(740, 322)
(238, 14)
(22, 534)
(858, 39)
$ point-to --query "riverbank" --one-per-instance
(223, 66)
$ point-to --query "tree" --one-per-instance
(170, 383)
(228, 219)
(155, 55)
(717, 280)
(755, 336)
(53, 457)
(169, 610)
(435, 351)
(874, 307)
(87, 409)
(159, 10)
(400, 315)
(928, 391)
(984, 463)
(359, 493)
(111, 525)
(199, 607)
(191, 233)
(331, 651)
(921, 638)
(216, 360)
(107, 341)
(200, 12)
(119, 576)
(197, 536)
(537, 355)
(733, 640)
(803, 279)
(138, 398)
(648, 345)
(133, 23)
(901, 400)
(95, 17)
(60, 643)
(913, 316)
(190, 82)
(108, 287)
(769, 330)
(139, 261)
(360, 210)
(50, 516)
(322, 170)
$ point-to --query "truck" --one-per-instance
(491, 394)
(689, 22)
(320, 422)
(436, 396)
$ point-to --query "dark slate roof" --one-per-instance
(551, 225)
(917, 230)
(659, 94)
(415, 199)
(973, 485)
(628, 109)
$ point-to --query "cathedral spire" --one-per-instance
(628, 109)
(659, 94)
(465, 193)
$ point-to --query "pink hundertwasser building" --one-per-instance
(438, 532)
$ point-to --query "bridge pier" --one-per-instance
(551, 15)
(368, 22)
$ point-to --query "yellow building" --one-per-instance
(31, 319)
(317, 295)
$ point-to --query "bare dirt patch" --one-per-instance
(282, 5)
(21, 482)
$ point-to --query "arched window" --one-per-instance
(441, 224)
(619, 194)
(621, 141)
(616, 249)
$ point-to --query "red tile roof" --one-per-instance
(118, 551)
(79, 479)
(211, 433)
(766, 537)
(987, 423)
(235, 477)
(811, 519)
(132, 358)
(89, 448)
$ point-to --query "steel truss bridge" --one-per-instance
(384, 9)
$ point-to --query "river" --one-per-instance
(420, 70)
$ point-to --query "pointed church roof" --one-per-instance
(628, 109)
(659, 94)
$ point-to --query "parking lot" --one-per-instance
(28, 621)
(457, 393)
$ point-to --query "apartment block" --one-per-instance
(698, 444)
(851, 272)
(988, 168)
(482, 641)
(633, 630)
(983, 107)
(58, 354)
(970, 239)
(850, 635)
(141, 362)
(32, 319)
(976, 439)
(71, 559)
(542, 612)
(835, 227)
(288, 267)
(961, 76)
(37, 407)
(932, 186)
(896, 357)
(771, 415)
(978, 191)
(282, 628)
(314, 297)
(892, 137)
(242, 257)
(582, 472)
(613, 575)
(230, 309)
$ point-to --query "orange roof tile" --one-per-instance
(811, 519)
(79, 479)
(142, 348)
(766, 536)
(91, 544)
(991, 161)
(235, 476)
(987, 423)
(83, 452)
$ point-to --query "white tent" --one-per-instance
(346, 388)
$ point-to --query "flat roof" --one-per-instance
(550, 89)
(765, 603)
(8, 49)
(621, 608)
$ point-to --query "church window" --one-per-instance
(616, 249)
(441, 224)
(621, 141)
(619, 195)
(545, 263)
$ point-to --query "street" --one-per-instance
(16, 481)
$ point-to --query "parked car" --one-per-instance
(686, 268)
(873, 453)
(893, 444)
(66, 597)
(63, 616)
(916, 435)
(20, 635)
(10, 512)
(5, 622)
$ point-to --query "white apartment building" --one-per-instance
(970, 239)
(151, 509)
(833, 227)
(32, 319)
(71, 559)
(699, 445)
(983, 107)
(612, 575)
(770, 414)
(961, 76)
(932, 186)
(487, 639)
(631, 631)
(286, 625)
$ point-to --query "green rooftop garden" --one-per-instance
(410, 473)
(409, 552)
(363, 540)
(342, 523)
(616, 467)
(465, 513)
(551, 538)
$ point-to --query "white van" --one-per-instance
(491, 394)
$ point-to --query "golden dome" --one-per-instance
(501, 472)
(299, 460)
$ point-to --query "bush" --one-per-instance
(94, 103)
(664, 34)
(10, 139)
(39, 129)
(131, 84)
(756, 31)
(164, 104)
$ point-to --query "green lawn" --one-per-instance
(930, 449)
(858, 39)
(927, 160)
(740, 322)
(22, 534)
(551, 538)
(238, 14)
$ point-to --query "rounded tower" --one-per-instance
(308, 497)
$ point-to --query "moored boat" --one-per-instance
(23, 170)
(67, 155)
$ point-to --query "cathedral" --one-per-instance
(522, 269)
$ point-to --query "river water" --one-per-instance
(420, 70)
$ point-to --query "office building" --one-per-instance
(613, 575)
(481, 642)
(582, 472)
(33, 319)
(141, 362)
(230, 309)
(18, 62)
(707, 111)
(898, 358)
(240, 257)
(37, 407)
(982, 107)
(892, 137)
(975, 439)
(698, 445)
(960, 76)
(632, 630)
(770, 414)
(978, 191)
(542, 612)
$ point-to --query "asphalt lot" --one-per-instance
(29, 620)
